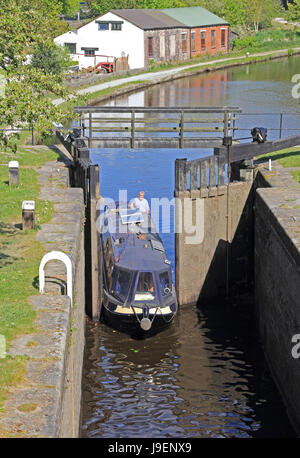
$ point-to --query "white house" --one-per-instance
(145, 34)
(104, 39)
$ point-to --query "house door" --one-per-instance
(162, 50)
(172, 42)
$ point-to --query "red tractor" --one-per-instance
(105, 67)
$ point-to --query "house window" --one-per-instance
(223, 37)
(183, 42)
(193, 41)
(103, 25)
(150, 46)
(71, 47)
(213, 39)
(203, 40)
(89, 52)
(116, 26)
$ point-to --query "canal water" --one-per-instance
(206, 375)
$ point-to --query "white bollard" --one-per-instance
(28, 212)
(270, 164)
(13, 167)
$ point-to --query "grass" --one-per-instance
(268, 40)
(20, 255)
(287, 158)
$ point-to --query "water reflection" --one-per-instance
(203, 377)
(261, 88)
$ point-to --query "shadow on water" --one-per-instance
(231, 327)
(205, 376)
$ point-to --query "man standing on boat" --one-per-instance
(140, 203)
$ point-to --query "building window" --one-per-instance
(203, 40)
(223, 37)
(150, 46)
(116, 26)
(103, 25)
(213, 39)
(89, 52)
(183, 42)
(71, 47)
(193, 41)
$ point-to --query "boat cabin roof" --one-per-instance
(136, 245)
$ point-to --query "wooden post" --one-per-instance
(13, 167)
(90, 130)
(180, 175)
(28, 213)
(181, 129)
(132, 129)
(221, 171)
(96, 279)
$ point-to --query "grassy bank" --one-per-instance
(288, 158)
(20, 255)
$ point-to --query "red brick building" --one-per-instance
(179, 33)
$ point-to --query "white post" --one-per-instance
(270, 164)
(13, 167)
(57, 256)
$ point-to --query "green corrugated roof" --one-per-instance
(194, 16)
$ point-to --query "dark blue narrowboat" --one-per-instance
(139, 295)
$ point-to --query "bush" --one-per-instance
(244, 43)
(269, 39)
(50, 58)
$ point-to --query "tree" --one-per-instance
(235, 12)
(50, 58)
(293, 13)
(261, 12)
(69, 7)
(23, 24)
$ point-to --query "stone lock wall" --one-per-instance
(202, 266)
(277, 279)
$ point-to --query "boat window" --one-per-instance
(122, 284)
(145, 289)
(165, 284)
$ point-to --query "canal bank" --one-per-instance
(47, 402)
(102, 92)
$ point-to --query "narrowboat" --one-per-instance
(139, 295)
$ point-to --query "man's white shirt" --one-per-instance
(142, 205)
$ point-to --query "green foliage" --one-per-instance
(69, 7)
(270, 39)
(24, 24)
(50, 58)
(293, 13)
(245, 43)
(246, 14)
